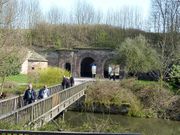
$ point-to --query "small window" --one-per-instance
(33, 68)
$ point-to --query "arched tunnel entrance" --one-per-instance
(68, 67)
(86, 64)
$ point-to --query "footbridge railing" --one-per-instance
(42, 111)
(5, 132)
(16, 102)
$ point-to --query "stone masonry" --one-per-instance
(75, 58)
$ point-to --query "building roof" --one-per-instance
(34, 56)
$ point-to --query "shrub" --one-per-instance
(151, 96)
(137, 55)
(175, 76)
(109, 92)
(48, 76)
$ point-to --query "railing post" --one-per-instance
(16, 118)
(15, 104)
(31, 113)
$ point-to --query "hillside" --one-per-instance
(71, 36)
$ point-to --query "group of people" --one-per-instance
(30, 95)
(113, 71)
(67, 82)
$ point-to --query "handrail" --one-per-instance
(13, 103)
(33, 111)
(11, 132)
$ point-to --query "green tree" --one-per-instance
(175, 74)
(10, 65)
(137, 55)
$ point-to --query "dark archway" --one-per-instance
(68, 67)
(86, 64)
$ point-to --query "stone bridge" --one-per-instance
(79, 60)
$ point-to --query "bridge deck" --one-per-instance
(42, 111)
(16, 102)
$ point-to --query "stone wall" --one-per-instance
(32, 65)
(24, 67)
(76, 56)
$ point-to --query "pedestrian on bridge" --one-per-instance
(63, 83)
(72, 81)
(29, 95)
(44, 92)
(66, 82)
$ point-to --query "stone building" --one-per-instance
(33, 61)
(79, 60)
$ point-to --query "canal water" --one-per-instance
(118, 123)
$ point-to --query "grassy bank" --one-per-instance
(17, 84)
(20, 78)
(146, 99)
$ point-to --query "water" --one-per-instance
(118, 123)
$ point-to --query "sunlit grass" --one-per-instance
(20, 78)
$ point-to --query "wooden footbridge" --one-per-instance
(42, 111)
(16, 102)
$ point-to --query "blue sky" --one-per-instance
(102, 5)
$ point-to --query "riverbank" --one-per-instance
(96, 122)
(133, 98)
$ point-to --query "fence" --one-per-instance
(5, 132)
(16, 102)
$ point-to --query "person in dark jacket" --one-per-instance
(68, 83)
(72, 81)
(63, 83)
(43, 92)
(29, 95)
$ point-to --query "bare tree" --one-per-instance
(84, 13)
(33, 14)
(126, 17)
(56, 16)
(165, 14)
(10, 39)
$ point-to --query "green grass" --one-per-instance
(20, 78)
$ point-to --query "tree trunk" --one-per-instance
(2, 83)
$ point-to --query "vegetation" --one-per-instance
(49, 76)
(145, 98)
(19, 78)
(16, 84)
(71, 36)
(109, 93)
(96, 30)
(175, 76)
(137, 55)
(10, 126)
(9, 66)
